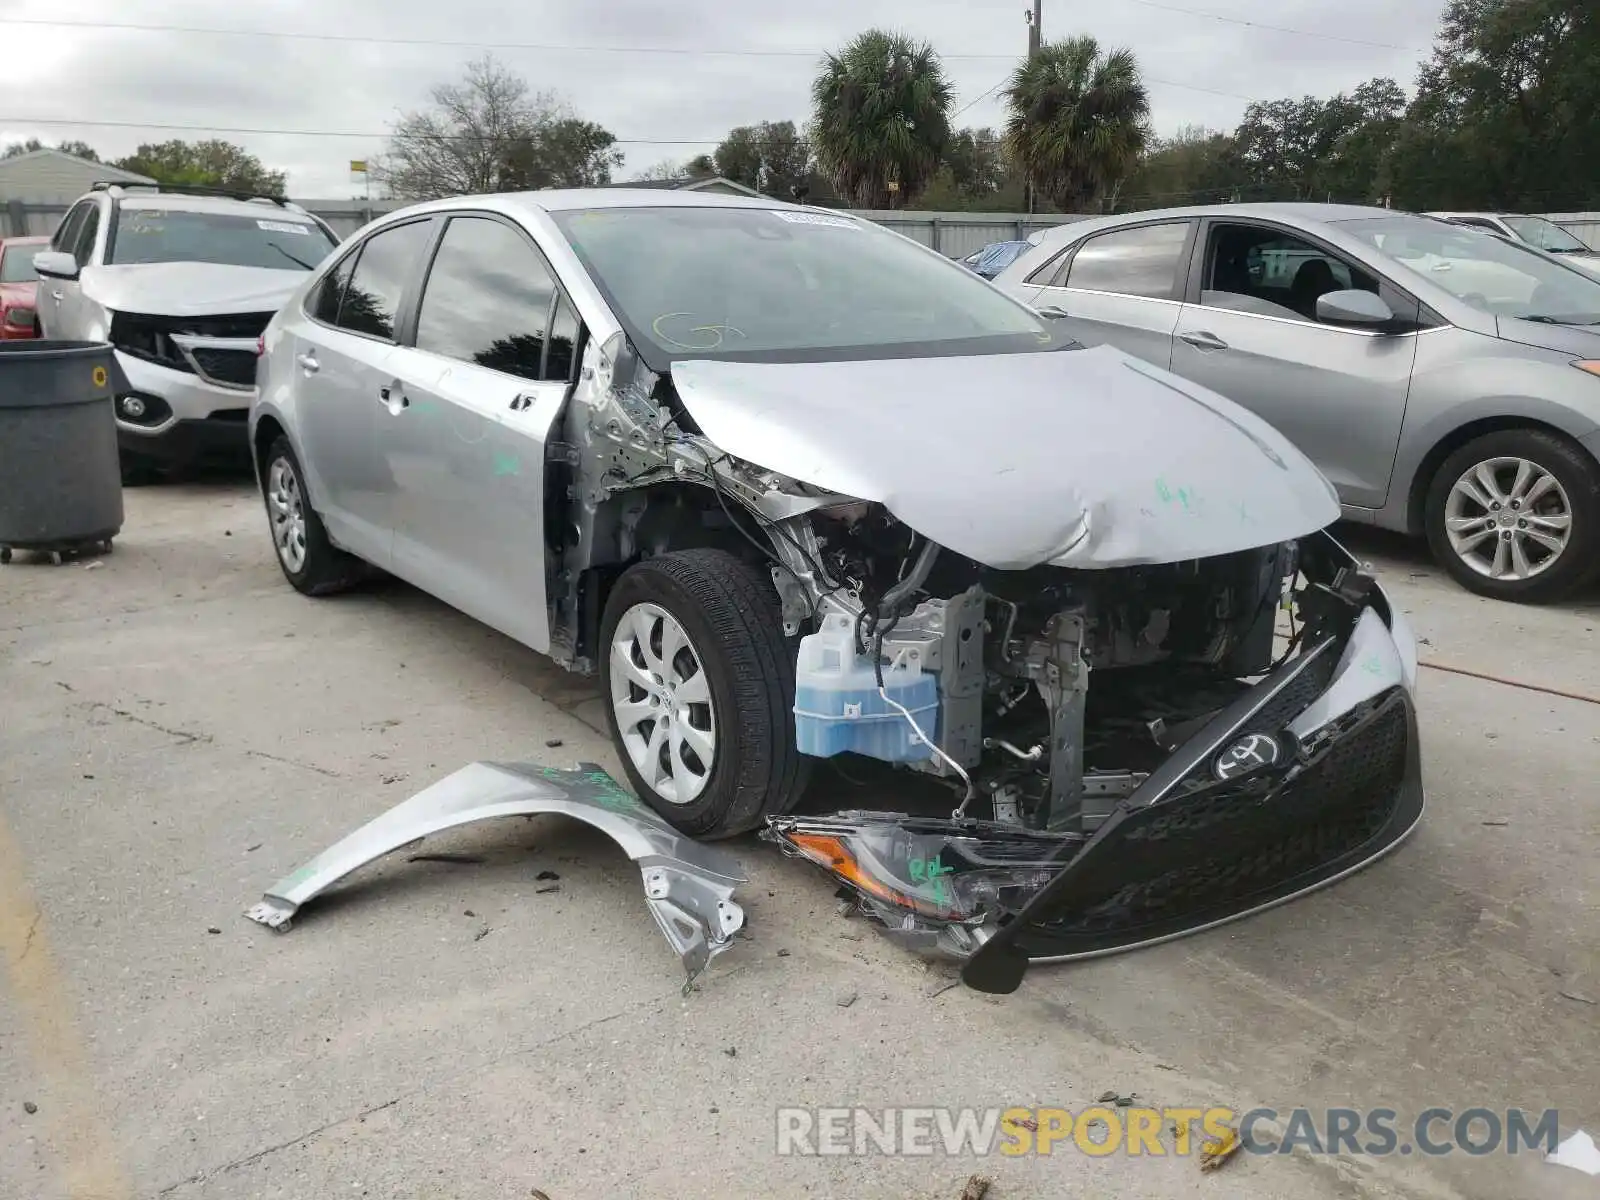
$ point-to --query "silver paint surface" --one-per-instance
(1082, 458)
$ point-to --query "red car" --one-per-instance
(17, 285)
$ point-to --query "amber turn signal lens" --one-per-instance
(1590, 365)
(835, 856)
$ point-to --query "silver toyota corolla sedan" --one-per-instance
(791, 486)
(1447, 381)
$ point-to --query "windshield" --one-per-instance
(776, 285)
(1488, 272)
(151, 235)
(1546, 234)
(16, 263)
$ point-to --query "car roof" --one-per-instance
(1293, 212)
(570, 199)
(179, 202)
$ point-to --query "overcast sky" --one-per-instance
(1200, 70)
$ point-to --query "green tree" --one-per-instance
(1077, 121)
(770, 157)
(28, 147)
(977, 162)
(562, 151)
(213, 163)
(1507, 113)
(880, 119)
(1311, 149)
(1194, 166)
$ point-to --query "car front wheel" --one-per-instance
(1515, 515)
(700, 686)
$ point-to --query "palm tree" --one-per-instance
(880, 117)
(1078, 120)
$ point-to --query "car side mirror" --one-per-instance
(1354, 307)
(55, 264)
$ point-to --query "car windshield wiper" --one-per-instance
(1545, 319)
(290, 257)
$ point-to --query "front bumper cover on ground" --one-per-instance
(688, 887)
(1336, 786)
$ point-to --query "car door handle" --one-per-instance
(1053, 311)
(521, 402)
(393, 396)
(55, 294)
(308, 362)
(1201, 340)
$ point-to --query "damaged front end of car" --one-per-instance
(1104, 609)
(1169, 749)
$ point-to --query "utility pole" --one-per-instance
(1035, 21)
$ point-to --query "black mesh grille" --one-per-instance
(227, 366)
(1235, 840)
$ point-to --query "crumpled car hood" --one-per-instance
(190, 289)
(1081, 458)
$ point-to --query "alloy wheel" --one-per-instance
(1508, 519)
(287, 508)
(662, 702)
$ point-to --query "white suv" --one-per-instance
(182, 283)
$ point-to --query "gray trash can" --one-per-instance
(60, 482)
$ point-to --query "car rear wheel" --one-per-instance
(310, 562)
(1515, 515)
(700, 687)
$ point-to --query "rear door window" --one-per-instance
(1145, 261)
(488, 301)
(376, 293)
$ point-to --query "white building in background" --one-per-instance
(51, 177)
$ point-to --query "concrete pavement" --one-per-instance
(178, 729)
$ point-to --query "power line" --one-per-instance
(979, 97)
(368, 39)
(1308, 33)
(338, 133)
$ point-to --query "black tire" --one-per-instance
(326, 569)
(1579, 477)
(730, 612)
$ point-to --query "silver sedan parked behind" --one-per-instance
(1447, 381)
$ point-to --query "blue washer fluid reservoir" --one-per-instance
(837, 707)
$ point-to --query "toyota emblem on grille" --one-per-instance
(1249, 753)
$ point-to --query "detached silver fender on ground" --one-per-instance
(688, 886)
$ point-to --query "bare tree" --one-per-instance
(489, 133)
(666, 170)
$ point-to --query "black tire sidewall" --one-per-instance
(735, 795)
(1578, 475)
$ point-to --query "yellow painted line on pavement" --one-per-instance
(87, 1161)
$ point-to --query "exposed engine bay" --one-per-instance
(1014, 653)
